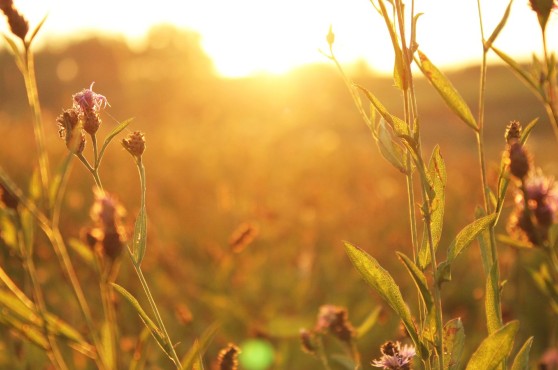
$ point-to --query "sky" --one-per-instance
(246, 37)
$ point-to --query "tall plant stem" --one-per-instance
(33, 98)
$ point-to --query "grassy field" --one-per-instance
(287, 155)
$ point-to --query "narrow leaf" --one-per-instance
(498, 28)
(368, 323)
(15, 52)
(446, 90)
(398, 69)
(484, 243)
(521, 361)
(418, 278)
(139, 240)
(37, 28)
(397, 124)
(494, 349)
(199, 347)
(438, 178)
(517, 69)
(379, 279)
(454, 342)
(389, 150)
(492, 301)
(112, 134)
(157, 334)
(463, 239)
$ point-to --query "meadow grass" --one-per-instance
(92, 332)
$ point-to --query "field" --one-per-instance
(286, 156)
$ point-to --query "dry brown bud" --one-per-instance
(91, 121)
(513, 131)
(134, 143)
(335, 320)
(18, 24)
(68, 129)
(307, 340)
(519, 160)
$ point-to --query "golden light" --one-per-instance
(246, 37)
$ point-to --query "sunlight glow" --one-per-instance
(254, 36)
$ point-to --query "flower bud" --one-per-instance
(513, 132)
(518, 160)
(134, 143)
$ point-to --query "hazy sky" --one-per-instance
(251, 36)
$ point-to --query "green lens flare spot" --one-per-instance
(256, 354)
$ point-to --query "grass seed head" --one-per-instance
(17, 22)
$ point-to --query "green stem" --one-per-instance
(321, 353)
(33, 98)
(106, 290)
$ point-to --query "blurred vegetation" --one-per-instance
(288, 154)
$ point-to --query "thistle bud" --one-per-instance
(335, 320)
(107, 214)
(91, 121)
(68, 129)
(519, 160)
(134, 143)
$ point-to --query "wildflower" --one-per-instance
(18, 24)
(228, 358)
(335, 320)
(7, 199)
(536, 208)
(395, 357)
(89, 104)
(107, 213)
(87, 99)
(69, 130)
(134, 143)
(307, 340)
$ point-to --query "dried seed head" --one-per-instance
(390, 348)
(543, 8)
(134, 143)
(518, 159)
(18, 24)
(307, 338)
(7, 199)
(91, 121)
(228, 358)
(69, 130)
(513, 131)
(335, 320)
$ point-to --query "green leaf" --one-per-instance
(463, 239)
(36, 30)
(438, 177)
(498, 28)
(446, 90)
(516, 68)
(139, 239)
(454, 342)
(118, 129)
(155, 331)
(484, 243)
(419, 279)
(397, 124)
(521, 361)
(389, 150)
(492, 301)
(15, 52)
(368, 323)
(399, 69)
(199, 347)
(83, 251)
(494, 349)
(383, 283)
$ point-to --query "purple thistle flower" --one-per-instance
(87, 100)
(395, 357)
